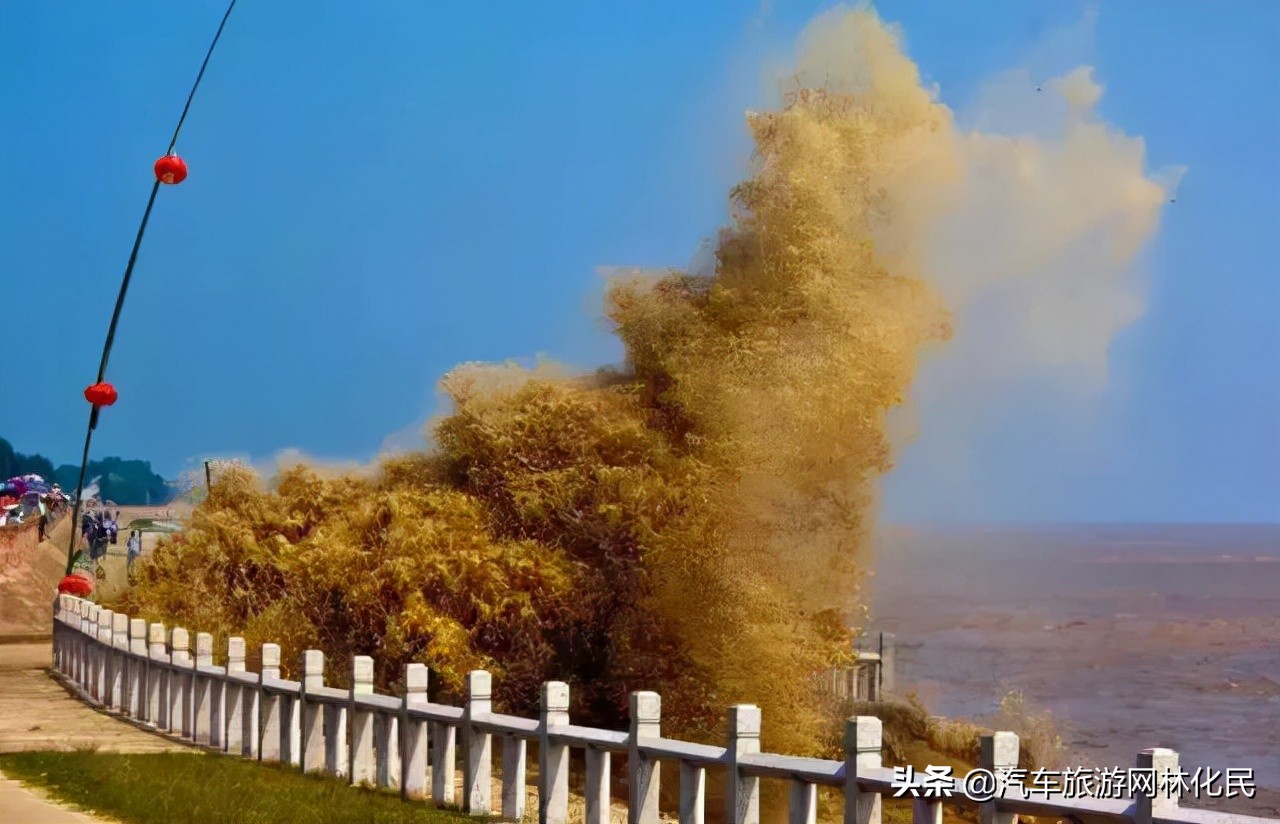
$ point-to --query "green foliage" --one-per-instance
(15, 463)
(127, 482)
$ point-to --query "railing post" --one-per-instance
(337, 754)
(312, 711)
(70, 623)
(643, 778)
(444, 762)
(413, 733)
(998, 754)
(80, 653)
(103, 695)
(180, 657)
(137, 669)
(89, 637)
(693, 793)
(86, 654)
(596, 785)
(72, 627)
(73, 638)
(59, 637)
(269, 705)
(553, 756)
(68, 637)
(477, 771)
(102, 688)
(803, 804)
(202, 691)
(76, 623)
(64, 624)
(67, 662)
(157, 678)
(743, 791)
(926, 811)
(96, 662)
(99, 653)
(83, 638)
(363, 762)
(386, 748)
(888, 662)
(236, 715)
(863, 738)
(86, 665)
(514, 763)
(82, 649)
(1161, 798)
(57, 632)
(217, 705)
(291, 728)
(74, 606)
(66, 617)
(120, 659)
(82, 646)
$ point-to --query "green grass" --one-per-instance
(151, 524)
(177, 788)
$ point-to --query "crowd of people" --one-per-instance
(25, 497)
(101, 529)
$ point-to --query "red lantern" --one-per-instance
(100, 394)
(171, 169)
(76, 585)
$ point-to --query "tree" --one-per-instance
(15, 463)
(128, 482)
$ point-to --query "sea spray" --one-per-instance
(692, 521)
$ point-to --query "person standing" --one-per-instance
(135, 546)
(98, 537)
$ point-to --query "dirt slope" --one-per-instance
(29, 581)
(29, 572)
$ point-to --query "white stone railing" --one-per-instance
(871, 678)
(148, 674)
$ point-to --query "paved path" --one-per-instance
(37, 713)
(18, 804)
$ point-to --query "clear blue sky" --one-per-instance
(382, 190)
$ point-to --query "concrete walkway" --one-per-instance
(17, 803)
(37, 713)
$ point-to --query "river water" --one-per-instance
(1130, 636)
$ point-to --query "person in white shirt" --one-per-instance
(135, 546)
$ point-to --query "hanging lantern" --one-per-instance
(76, 585)
(100, 394)
(171, 169)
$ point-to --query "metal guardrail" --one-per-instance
(871, 678)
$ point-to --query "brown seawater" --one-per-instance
(1131, 636)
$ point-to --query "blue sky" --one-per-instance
(380, 191)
